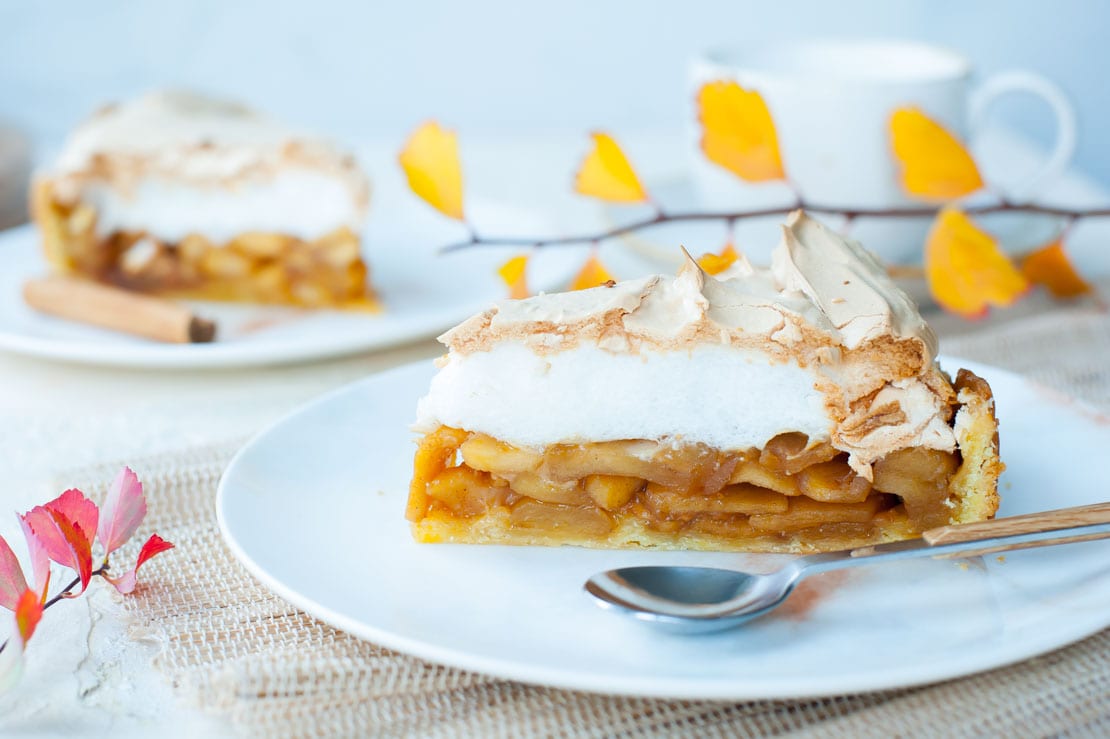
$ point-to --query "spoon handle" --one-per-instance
(1064, 526)
(1030, 523)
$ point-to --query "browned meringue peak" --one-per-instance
(822, 293)
(848, 284)
(750, 302)
(657, 312)
(537, 319)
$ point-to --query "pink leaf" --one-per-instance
(126, 582)
(41, 524)
(77, 508)
(12, 582)
(123, 510)
(63, 540)
(40, 559)
(28, 613)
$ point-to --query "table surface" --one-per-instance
(84, 674)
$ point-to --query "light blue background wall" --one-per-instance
(374, 69)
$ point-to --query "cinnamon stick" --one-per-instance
(117, 309)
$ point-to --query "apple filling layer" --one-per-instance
(791, 495)
(589, 493)
(255, 266)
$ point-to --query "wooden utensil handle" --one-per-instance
(1030, 523)
(980, 551)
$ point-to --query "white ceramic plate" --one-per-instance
(314, 508)
(424, 293)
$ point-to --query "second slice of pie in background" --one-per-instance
(184, 195)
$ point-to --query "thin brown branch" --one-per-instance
(661, 217)
(62, 594)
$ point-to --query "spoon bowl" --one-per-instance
(690, 600)
(695, 600)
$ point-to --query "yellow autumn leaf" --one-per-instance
(592, 274)
(715, 264)
(607, 174)
(513, 272)
(738, 132)
(430, 159)
(1051, 267)
(933, 164)
(966, 270)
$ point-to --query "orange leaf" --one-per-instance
(606, 173)
(592, 274)
(738, 132)
(1050, 266)
(934, 164)
(715, 264)
(28, 613)
(513, 272)
(430, 159)
(966, 270)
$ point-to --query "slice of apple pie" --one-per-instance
(181, 194)
(793, 409)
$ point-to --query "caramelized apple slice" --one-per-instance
(465, 491)
(532, 485)
(579, 521)
(920, 477)
(745, 498)
(433, 454)
(805, 513)
(742, 498)
(754, 473)
(833, 482)
(625, 458)
(486, 453)
(703, 468)
(790, 453)
(611, 491)
(436, 451)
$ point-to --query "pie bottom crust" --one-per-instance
(967, 492)
(258, 267)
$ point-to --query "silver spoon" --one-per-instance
(692, 600)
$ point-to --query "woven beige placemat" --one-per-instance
(232, 648)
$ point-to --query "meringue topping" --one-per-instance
(821, 289)
(847, 283)
(822, 342)
(171, 163)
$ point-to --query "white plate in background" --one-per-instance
(424, 293)
(314, 507)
